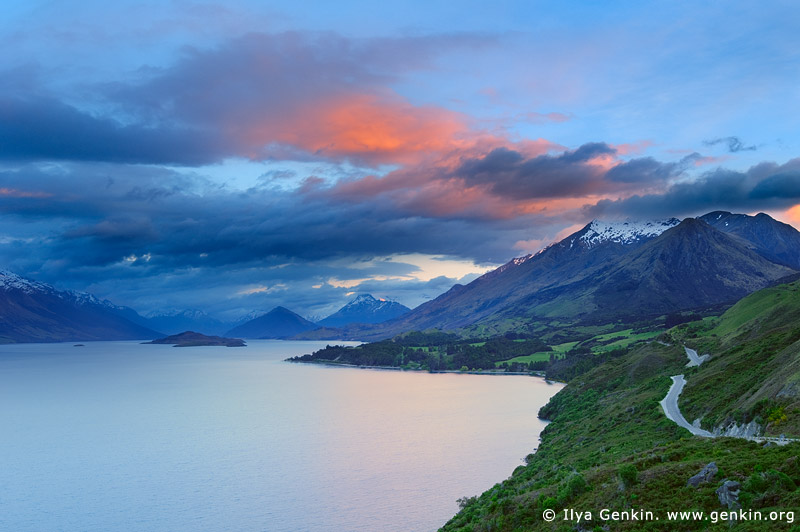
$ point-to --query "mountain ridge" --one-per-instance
(32, 311)
(364, 309)
(569, 280)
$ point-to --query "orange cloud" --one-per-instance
(377, 129)
(792, 216)
(364, 127)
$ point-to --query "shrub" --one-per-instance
(571, 487)
(628, 474)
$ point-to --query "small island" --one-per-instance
(193, 339)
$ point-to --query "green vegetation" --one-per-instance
(433, 351)
(754, 370)
(555, 351)
(610, 446)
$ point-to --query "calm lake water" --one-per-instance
(118, 436)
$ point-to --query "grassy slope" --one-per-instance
(754, 371)
(607, 426)
(558, 351)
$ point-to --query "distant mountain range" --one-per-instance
(616, 271)
(178, 321)
(31, 311)
(607, 271)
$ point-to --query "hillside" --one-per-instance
(31, 311)
(753, 373)
(611, 446)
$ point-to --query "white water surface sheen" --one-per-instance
(119, 436)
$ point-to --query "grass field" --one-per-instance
(539, 356)
(626, 338)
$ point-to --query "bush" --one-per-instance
(573, 486)
(628, 475)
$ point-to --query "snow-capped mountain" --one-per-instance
(616, 270)
(627, 232)
(365, 309)
(12, 281)
(32, 311)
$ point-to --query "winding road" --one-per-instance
(670, 404)
(673, 413)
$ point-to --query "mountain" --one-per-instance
(365, 309)
(774, 240)
(31, 311)
(186, 320)
(279, 322)
(574, 258)
(609, 271)
(690, 266)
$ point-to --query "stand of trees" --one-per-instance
(434, 351)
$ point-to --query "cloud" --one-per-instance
(649, 171)
(734, 144)
(88, 233)
(764, 186)
(590, 169)
(44, 128)
(258, 96)
(201, 243)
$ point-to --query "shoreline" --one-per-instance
(331, 363)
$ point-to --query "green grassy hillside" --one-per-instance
(754, 369)
(610, 446)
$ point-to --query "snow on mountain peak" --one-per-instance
(364, 298)
(12, 281)
(626, 232)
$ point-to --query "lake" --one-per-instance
(119, 436)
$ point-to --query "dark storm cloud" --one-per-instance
(44, 128)
(509, 173)
(734, 144)
(646, 170)
(764, 186)
(779, 186)
(180, 226)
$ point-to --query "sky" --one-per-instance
(232, 157)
